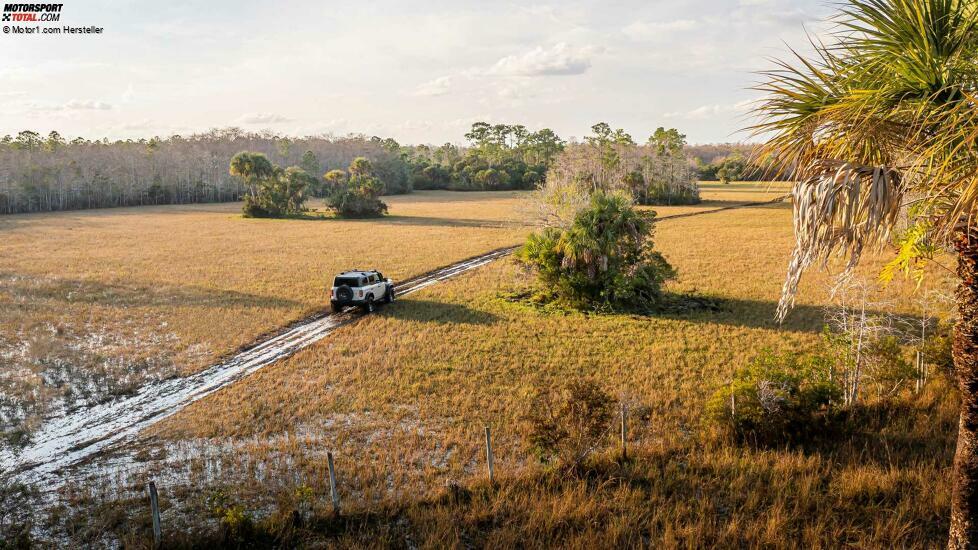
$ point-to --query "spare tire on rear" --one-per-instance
(344, 294)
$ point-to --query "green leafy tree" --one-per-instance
(882, 116)
(28, 140)
(732, 168)
(310, 163)
(667, 142)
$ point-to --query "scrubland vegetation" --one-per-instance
(404, 415)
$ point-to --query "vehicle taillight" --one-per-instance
(360, 293)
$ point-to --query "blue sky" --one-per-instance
(420, 72)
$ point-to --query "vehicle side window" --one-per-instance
(363, 282)
(373, 279)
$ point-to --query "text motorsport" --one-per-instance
(40, 13)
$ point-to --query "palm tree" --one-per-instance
(877, 127)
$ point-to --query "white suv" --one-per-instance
(360, 288)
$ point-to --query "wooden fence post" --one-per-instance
(489, 463)
(154, 504)
(624, 448)
(332, 483)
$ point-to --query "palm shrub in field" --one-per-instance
(776, 399)
(272, 191)
(604, 260)
(356, 192)
(566, 424)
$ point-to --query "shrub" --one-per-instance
(603, 260)
(776, 399)
(565, 425)
(272, 191)
(937, 351)
(886, 365)
(356, 194)
(236, 523)
(281, 195)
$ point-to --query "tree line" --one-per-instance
(47, 173)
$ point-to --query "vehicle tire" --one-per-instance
(336, 308)
(389, 297)
(369, 306)
(344, 293)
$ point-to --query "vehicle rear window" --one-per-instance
(348, 281)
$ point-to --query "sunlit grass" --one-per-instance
(402, 397)
(95, 303)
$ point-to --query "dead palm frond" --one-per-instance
(883, 114)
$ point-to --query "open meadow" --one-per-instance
(402, 397)
(96, 303)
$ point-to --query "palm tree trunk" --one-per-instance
(964, 499)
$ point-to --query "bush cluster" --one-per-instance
(566, 424)
(776, 399)
(604, 260)
(272, 191)
(356, 192)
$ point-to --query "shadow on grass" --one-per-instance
(708, 205)
(695, 308)
(440, 222)
(437, 312)
(755, 314)
(838, 497)
(78, 291)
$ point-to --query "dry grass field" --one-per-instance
(95, 303)
(402, 397)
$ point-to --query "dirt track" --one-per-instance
(76, 437)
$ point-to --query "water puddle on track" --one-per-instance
(71, 439)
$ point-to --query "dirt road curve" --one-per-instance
(71, 439)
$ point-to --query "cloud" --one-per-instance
(648, 30)
(144, 124)
(516, 90)
(262, 118)
(436, 87)
(559, 59)
(705, 112)
(76, 105)
(72, 105)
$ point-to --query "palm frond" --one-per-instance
(887, 110)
